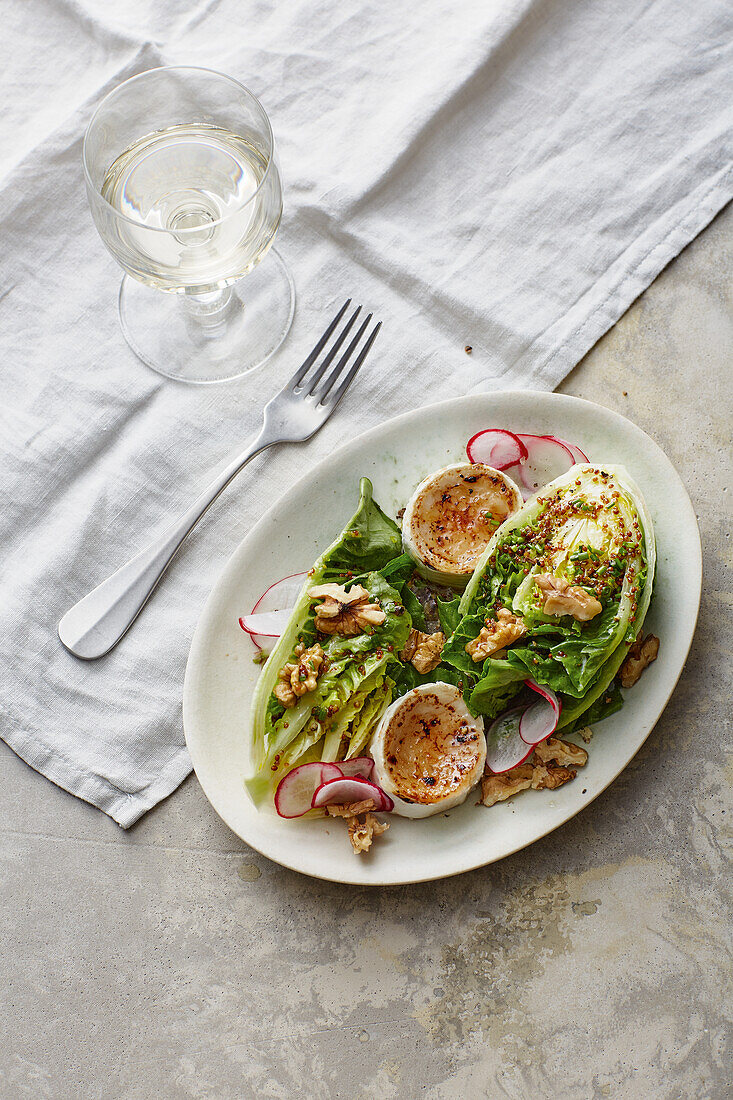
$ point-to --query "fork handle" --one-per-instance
(95, 625)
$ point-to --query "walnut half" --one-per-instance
(497, 788)
(563, 598)
(502, 631)
(298, 677)
(342, 612)
(553, 750)
(640, 656)
(544, 771)
(550, 778)
(422, 650)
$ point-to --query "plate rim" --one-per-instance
(291, 495)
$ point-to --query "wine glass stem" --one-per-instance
(210, 308)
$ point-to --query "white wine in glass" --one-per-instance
(191, 208)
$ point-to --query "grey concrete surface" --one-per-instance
(172, 961)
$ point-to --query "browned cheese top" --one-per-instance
(454, 517)
(428, 748)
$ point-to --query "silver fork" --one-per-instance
(96, 624)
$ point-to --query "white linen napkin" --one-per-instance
(509, 176)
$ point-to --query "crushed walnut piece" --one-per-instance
(422, 650)
(545, 770)
(585, 734)
(497, 634)
(342, 612)
(298, 677)
(640, 656)
(361, 832)
(350, 809)
(563, 598)
(549, 778)
(555, 751)
(497, 788)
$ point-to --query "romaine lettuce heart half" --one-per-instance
(336, 719)
(592, 528)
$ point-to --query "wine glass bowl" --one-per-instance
(185, 192)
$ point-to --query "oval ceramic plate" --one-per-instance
(221, 674)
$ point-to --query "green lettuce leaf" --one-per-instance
(449, 614)
(356, 666)
(340, 728)
(591, 527)
(362, 727)
(607, 702)
(407, 678)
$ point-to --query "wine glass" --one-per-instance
(185, 192)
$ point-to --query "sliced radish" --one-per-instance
(545, 692)
(295, 791)
(280, 597)
(496, 447)
(540, 719)
(530, 460)
(504, 747)
(358, 765)
(547, 459)
(270, 624)
(578, 455)
(352, 789)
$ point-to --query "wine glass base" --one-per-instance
(163, 333)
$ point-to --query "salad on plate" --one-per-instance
(473, 647)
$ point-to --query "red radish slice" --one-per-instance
(540, 719)
(358, 765)
(537, 723)
(279, 597)
(530, 460)
(280, 594)
(578, 455)
(270, 624)
(496, 447)
(547, 459)
(353, 789)
(504, 747)
(295, 791)
(545, 692)
(515, 473)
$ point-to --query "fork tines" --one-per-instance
(319, 383)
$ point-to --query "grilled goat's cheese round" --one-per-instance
(428, 750)
(451, 517)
